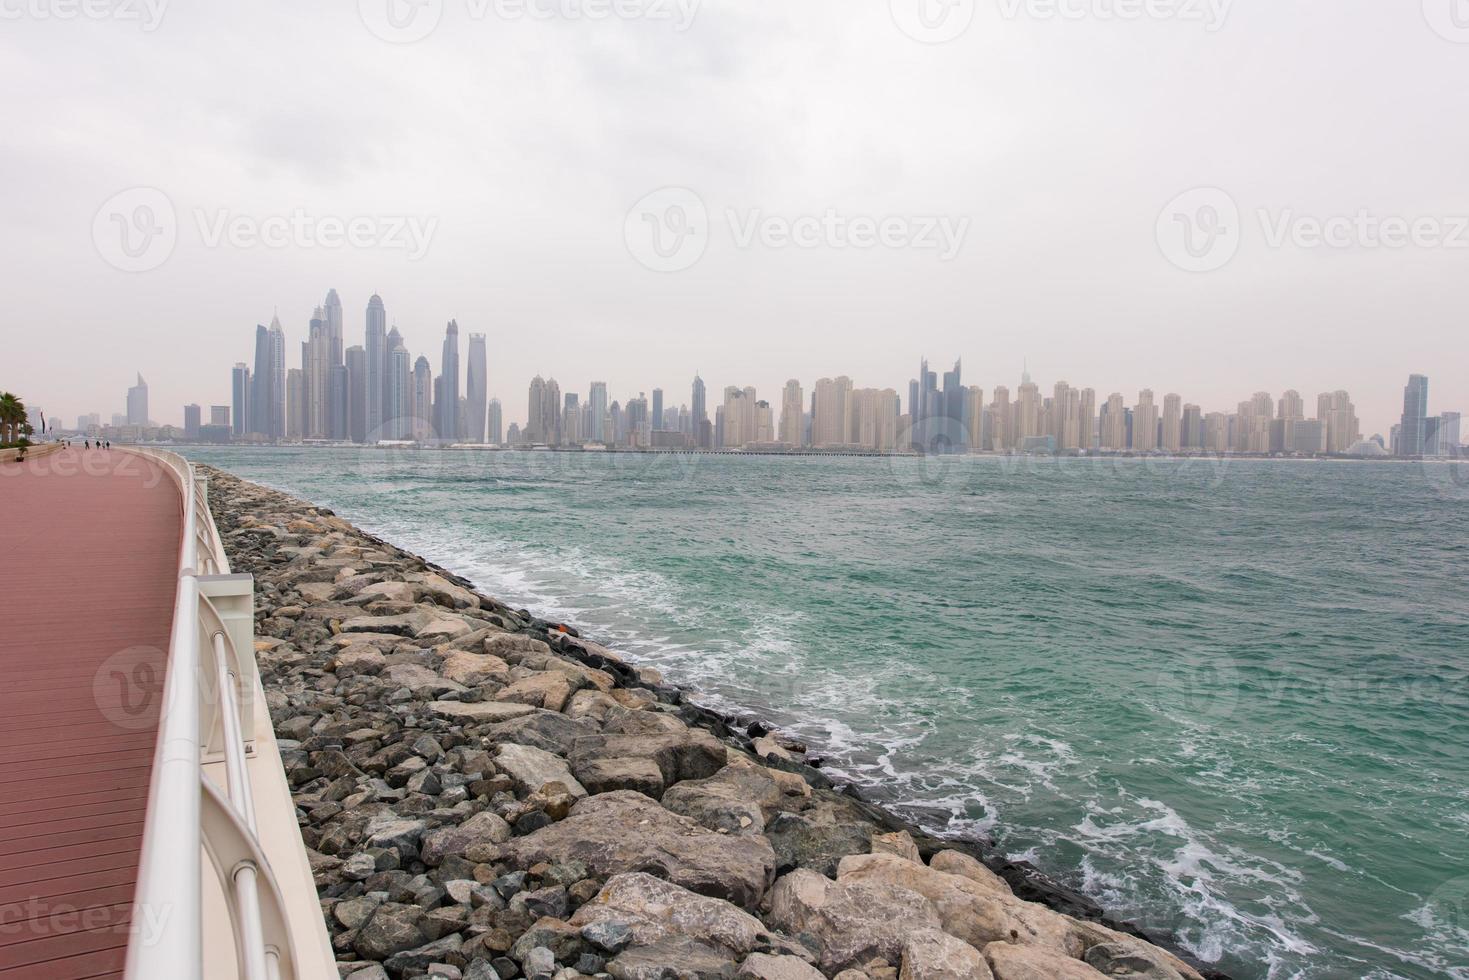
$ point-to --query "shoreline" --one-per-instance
(344, 648)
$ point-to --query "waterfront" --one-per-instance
(1227, 698)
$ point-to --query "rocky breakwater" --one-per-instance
(486, 796)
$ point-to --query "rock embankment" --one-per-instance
(487, 796)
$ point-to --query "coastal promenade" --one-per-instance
(146, 827)
(88, 567)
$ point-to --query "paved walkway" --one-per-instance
(89, 545)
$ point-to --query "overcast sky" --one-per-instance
(1003, 182)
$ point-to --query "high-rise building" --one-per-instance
(495, 433)
(792, 407)
(477, 390)
(356, 364)
(1145, 423)
(339, 403)
(138, 403)
(1171, 423)
(1446, 435)
(191, 422)
(571, 420)
(1001, 421)
(219, 415)
(1338, 417)
(656, 411)
(332, 309)
(597, 412)
(258, 422)
(1027, 415)
(421, 427)
(401, 417)
(1192, 428)
(1114, 423)
(700, 414)
(377, 364)
(1411, 431)
(316, 365)
(831, 418)
(446, 421)
(636, 419)
(973, 417)
(295, 403)
(874, 419)
(240, 398)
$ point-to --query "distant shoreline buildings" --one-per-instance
(377, 392)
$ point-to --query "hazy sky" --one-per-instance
(1048, 139)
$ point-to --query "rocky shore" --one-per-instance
(485, 796)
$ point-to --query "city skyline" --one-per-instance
(341, 393)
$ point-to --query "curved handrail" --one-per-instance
(184, 819)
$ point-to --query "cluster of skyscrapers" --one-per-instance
(953, 417)
(364, 393)
(377, 391)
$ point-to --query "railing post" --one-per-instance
(233, 599)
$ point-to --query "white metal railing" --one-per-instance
(207, 713)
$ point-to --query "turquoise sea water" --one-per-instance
(1229, 700)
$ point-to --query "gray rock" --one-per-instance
(483, 827)
(607, 935)
(390, 929)
(737, 798)
(532, 768)
(479, 711)
(762, 966)
(852, 922)
(679, 958)
(540, 963)
(373, 972)
(1009, 961)
(549, 731)
(623, 831)
(446, 950)
(801, 842)
(1117, 960)
(689, 754)
(359, 867)
(934, 955)
(655, 910)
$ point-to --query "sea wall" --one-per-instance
(487, 795)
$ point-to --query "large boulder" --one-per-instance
(625, 831)
(935, 955)
(676, 958)
(679, 755)
(852, 921)
(802, 841)
(737, 798)
(1122, 947)
(1009, 961)
(479, 711)
(764, 966)
(968, 910)
(532, 768)
(484, 827)
(420, 680)
(550, 690)
(959, 863)
(548, 730)
(656, 910)
(474, 669)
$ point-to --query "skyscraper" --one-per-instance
(446, 422)
(1145, 423)
(656, 411)
(1172, 423)
(240, 399)
(696, 406)
(476, 389)
(377, 363)
(191, 421)
(398, 392)
(496, 424)
(339, 403)
(831, 422)
(1114, 423)
(259, 419)
(1412, 428)
(597, 413)
(792, 405)
(423, 401)
(138, 403)
(333, 310)
(356, 364)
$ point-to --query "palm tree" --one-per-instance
(12, 416)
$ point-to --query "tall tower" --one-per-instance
(377, 364)
(792, 405)
(446, 415)
(258, 422)
(1411, 434)
(138, 403)
(333, 309)
(477, 391)
(423, 399)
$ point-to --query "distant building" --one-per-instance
(1411, 432)
(219, 415)
(138, 403)
(476, 389)
(496, 425)
(191, 421)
